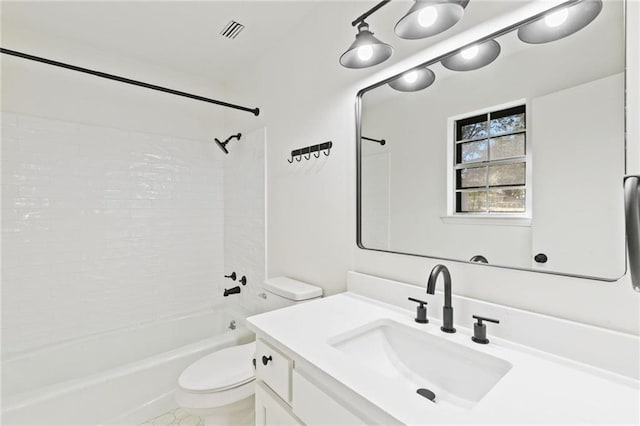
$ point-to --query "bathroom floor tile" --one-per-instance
(177, 417)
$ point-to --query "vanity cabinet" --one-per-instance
(285, 396)
(271, 410)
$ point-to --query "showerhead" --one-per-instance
(223, 145)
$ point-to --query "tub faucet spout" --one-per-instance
(232, 290)
(447, 309)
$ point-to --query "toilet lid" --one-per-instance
(223, 369)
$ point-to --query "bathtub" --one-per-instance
(121, 377)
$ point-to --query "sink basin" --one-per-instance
(459, 376)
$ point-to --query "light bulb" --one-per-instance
(556, 18)
(427, 16)
(470, 52)
(410, 77)
(365, 52)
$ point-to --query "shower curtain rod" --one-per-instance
(254, 111)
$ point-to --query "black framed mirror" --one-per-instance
(516, 159)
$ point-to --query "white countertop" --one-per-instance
(539, 388)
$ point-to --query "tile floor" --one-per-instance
(177, 417)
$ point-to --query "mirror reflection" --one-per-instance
(510, 149)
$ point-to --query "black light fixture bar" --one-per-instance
(369, 12)
(254, 111)
(480, 40)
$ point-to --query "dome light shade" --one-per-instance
(413, 80)
(560, 23)
(473, 57)
(366, 50)
(430, 17)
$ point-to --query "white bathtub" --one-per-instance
(112, 378)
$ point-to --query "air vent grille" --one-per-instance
(232, 29)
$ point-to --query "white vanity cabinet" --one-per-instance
(285, 396)
(273, 387)
(352, 360)
(271, 410)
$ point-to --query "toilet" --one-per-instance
(220, 386)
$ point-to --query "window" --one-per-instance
(490, 163)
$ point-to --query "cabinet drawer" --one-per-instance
(274, 369)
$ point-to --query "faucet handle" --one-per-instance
(480, 329)
(421, 312)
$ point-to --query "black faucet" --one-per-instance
(447, 309)
(232, 290)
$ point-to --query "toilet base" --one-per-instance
(240, 413)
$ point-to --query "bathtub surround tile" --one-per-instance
(105, 235)
(104, 229)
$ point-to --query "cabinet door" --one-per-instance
(271, 410)
(316, 408)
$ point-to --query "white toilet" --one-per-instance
(220, 386)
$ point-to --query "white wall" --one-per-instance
(244, 218)
(375, 200)
(311, 209)
(569, 208)
(633, 88)
(104, 229)
(43, 90)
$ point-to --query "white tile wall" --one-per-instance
(104, 229)
(244, 217)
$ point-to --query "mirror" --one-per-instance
(519, 162)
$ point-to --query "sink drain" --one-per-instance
(427, 394)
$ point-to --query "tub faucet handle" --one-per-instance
(232, 276)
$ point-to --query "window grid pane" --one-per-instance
(490, 162)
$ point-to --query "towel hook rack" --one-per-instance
(306, 152)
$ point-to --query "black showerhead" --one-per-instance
(223, 145)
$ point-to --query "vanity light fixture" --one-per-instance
(366, 50)
(413, 80)
(560, 22)
(473, 57)
(430, 17)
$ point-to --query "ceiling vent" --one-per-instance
(232, 29)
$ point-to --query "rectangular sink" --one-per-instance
(459, 376)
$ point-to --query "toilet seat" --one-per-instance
(222, 370)
(219, 379)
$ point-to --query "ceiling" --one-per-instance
(182, 35)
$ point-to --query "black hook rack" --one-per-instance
(380, 141)
(324, 147)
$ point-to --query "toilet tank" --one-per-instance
(280, 292)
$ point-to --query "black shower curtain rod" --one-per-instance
(254, 111)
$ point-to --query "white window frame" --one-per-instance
(474, 218)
